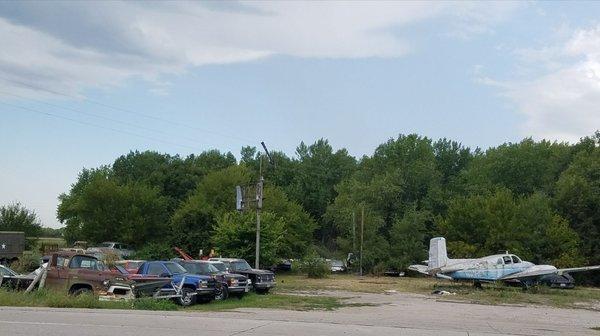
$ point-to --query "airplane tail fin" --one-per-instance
(438, 257)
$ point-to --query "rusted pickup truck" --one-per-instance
(77, 273)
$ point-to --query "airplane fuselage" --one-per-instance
(489, 268)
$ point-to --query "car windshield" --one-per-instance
(199, 268)
(220, 266)
(106, 245)
(6, 271)
(134, 264)
(337, 263)
(175, 268)
(241, 265)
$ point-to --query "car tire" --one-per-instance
(82, 291)
(222, 293)
(187, 298)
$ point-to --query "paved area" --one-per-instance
(396, 314)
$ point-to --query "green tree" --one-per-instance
(16, 217)
(318, 170)
(235, 235)
(407, 239)
(578, 200)
(104, 210)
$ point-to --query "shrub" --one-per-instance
(315, 267)
(27, 263)
(155, 251)
(379, 269)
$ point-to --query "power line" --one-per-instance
(116, 108)
(97, 116)
(100, 126)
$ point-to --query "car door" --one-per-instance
(84, 269)
(57, 273)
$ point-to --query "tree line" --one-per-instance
(538, 199)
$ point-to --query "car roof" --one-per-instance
(226, 259)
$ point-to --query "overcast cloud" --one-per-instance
(70, 46)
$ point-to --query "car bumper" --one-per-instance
(237, 289)
(264, 285)
(205, 292)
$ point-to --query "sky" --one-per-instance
(82, 83)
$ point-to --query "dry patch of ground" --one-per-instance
(581, 297)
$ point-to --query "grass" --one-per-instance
(580, 297)
(276, 301)
(46, 298)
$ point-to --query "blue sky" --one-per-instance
(84, 82)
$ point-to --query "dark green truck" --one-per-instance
(12, 245)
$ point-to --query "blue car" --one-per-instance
(194, 288)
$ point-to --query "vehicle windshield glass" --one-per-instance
(175, 268)
(337, 263)
(121, 269)
(6, 271)
(102, 266)
(199, 268)
(134, 264)
(220, 266)
(241, 265)
(516, 259)
(106, 245)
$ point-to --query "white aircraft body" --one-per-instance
(498, 267)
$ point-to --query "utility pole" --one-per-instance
(259, 201)
(353, 231)
(362, 229)
(259, 198)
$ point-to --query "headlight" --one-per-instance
(258, 278)
(105, 283)
(203, 283)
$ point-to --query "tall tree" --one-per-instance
(16, 217)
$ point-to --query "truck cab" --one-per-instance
(193, 287)
(78, 273)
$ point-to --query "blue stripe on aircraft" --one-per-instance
(490, 274)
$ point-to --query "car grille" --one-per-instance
(211, 283)
(266, 277)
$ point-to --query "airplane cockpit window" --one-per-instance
(507, 260)
(500, 262)
(516, 260)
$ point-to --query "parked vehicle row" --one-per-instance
(185, 281)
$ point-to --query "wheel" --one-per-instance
(222, 293)
(477, 285)
(83, 290)
(187, 297)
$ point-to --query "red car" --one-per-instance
(131, 266)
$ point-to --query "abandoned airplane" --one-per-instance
(499, 267)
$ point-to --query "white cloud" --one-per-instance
(562, 101)
(74, 45)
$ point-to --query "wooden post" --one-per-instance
(43, 279)
(362, 230)
(35, 281)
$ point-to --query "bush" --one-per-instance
(315, 267)
(379, 269)
(154, 251)
(27, 263)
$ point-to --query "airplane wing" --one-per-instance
(419, 268)
(536, 272)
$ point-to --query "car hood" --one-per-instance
(255, 271)
(196, 277)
